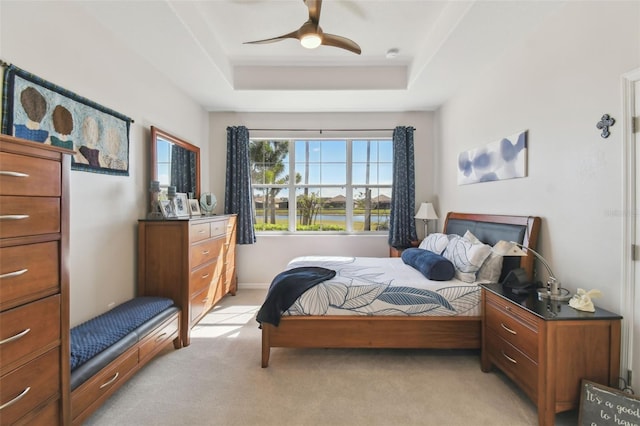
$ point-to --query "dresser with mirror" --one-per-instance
(190, 260)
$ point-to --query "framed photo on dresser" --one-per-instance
(182, 205)
(194, 208)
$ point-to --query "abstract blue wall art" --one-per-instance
(499, 160)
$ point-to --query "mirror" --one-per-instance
(175, 162)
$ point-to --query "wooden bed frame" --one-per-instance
(403, 332)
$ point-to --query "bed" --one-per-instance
(379, 328)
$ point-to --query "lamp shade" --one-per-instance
(508, 248)
(426, 212)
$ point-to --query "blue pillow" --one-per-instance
(432, 265)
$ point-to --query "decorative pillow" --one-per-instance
(435, 243)
(432, 265)
(467, 258)
(491, 269)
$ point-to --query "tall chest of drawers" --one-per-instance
(547, 347)
(34, 283)
(190, 261)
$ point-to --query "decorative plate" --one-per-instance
(208, 203)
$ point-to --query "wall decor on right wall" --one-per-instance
(499, 160)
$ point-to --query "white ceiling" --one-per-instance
(199, 46)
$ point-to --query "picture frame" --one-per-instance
(167, 211)
(194, 208)
(182, 205)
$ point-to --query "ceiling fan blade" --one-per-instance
(341, 42)
(314, 10)
(293, 34)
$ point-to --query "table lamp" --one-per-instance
(554, 291)
(426, 212)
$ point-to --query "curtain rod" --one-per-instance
(324, 130)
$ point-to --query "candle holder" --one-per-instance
(155, 211)
(171, 195)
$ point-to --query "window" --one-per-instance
(312, 185)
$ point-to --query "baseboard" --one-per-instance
(253, 286)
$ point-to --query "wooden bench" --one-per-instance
(110, 348)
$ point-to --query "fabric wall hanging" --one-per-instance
(37, 110)
(503, 159)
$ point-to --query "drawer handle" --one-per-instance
(509, 358)
(205, 252)
(13, 274)
(14, 216)
(201, 231)
(113, 379)
(508, 329)
(205, 275)
(16, 399)
(205, 300)
(15, 337)
(160, 337)
(13, 174)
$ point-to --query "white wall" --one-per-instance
(258, 263)
(558, 84)
(49, 39)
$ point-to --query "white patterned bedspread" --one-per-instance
(382, 286)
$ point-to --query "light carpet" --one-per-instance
(217, 380)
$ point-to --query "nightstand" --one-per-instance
(397, 251)
(546, 347)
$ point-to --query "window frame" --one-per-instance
(348, 186)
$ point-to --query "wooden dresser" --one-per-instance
(547, 348)
(34, 283)
(189, 261)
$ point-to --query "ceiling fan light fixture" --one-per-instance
(311, 41)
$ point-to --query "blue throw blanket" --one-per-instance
(286, 287)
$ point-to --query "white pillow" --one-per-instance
(435, 242)
(491, 269)
(466, 257)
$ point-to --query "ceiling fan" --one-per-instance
(311, 35)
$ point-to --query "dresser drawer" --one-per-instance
(44, 416)
(513, 310)
(99, 384)
(28, 329)
(515, 364)
(157, 339)
(510, 327)
(218, 228)
(202, 302)
(22, 216)
(28, 272)
(205, 251)
(199, 232)
(202, 277)
(27, 387)
(22, 175)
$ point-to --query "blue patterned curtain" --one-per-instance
(183, 169)
(402, 225)
(237, 197)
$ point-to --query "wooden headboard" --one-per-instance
(492, 228)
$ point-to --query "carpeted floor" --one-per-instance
(217, 380)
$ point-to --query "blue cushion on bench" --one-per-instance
(90, 368)
(94, 336)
